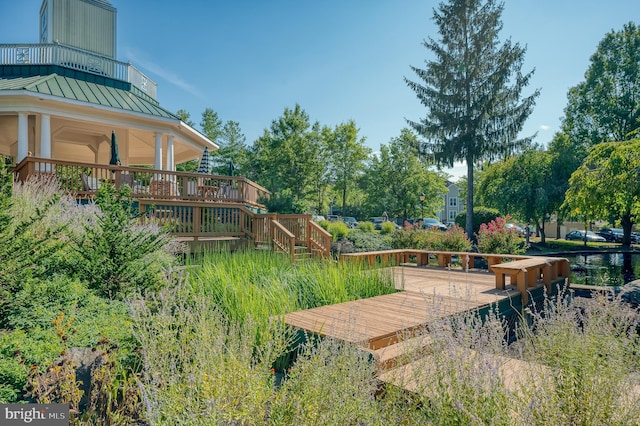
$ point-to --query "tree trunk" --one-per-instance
(469, 224)
(627, 224)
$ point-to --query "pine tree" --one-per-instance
(472, 90)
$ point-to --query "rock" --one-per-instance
(631, 292)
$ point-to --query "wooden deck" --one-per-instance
(428, 294)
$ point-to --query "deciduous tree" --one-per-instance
(607, 185)
(605, 107)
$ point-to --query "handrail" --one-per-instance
(77, 59)
(84, 180)
(319, 239)
(283, 239)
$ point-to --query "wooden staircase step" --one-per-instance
(402, 352)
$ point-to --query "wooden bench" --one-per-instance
(527, 272)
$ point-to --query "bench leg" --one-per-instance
(500, 280)
(522, 279)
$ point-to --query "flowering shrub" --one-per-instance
(494, 237)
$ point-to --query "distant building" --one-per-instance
(452, 204)
(61, 99)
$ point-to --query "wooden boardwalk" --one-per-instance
(429, 294)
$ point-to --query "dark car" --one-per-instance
(350, 221)
(611, 234)
(579, 235)
(377, 222)
(431, 223)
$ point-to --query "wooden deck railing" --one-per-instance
(85, 180)
(198, 220)
(319, 240)
(283, 239)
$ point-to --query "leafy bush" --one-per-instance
(338, 230)
(366, 226)
(324, 224)
(454, 239)
(117, 255)
(369, 241)
(480, 215)
(496, 238)
(387, 227)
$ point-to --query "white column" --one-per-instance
(45, 136)
(23, 136)
(171, 163)
(158, 158)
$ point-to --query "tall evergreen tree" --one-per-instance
(472, 90)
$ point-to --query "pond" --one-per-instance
(604, 268)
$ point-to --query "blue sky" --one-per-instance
(338, 59)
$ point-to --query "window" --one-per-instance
(452, 215)
(43, 25)
(453, 202)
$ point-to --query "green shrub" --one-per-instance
(369, 241)
(454, 239)
(366, 226)
(338, 230)
(387, 227)
(117, 255)
(589, 348)
(480, 215)
(494, 237)
(324, 224)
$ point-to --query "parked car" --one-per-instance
(516, 228)
(333, 218)
(611, 234)
(350, 221)
(377, 222)
(317, 218)
(431, 223)
(579, 235)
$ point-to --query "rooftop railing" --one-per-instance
(77, 59)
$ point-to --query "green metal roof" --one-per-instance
(84, 91)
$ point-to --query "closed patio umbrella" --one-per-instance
(115, 156)
(206, 162)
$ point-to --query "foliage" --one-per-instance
(472, 90)
(593, 345)
(284, 160)
(366, 226)
(232, 155)
(606, 107)
(369, 240)
(521, 186)
(494, 237)
(27, 248)
(396, 178)
(387, 227)
(480, 215)
(48, 316)
(338, 230)
(117, 255)
(258, 286)
(211, 124)
(331, 383)
(347, 154)
(606, 185)
(454, 239)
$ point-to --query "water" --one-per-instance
(601, 268)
